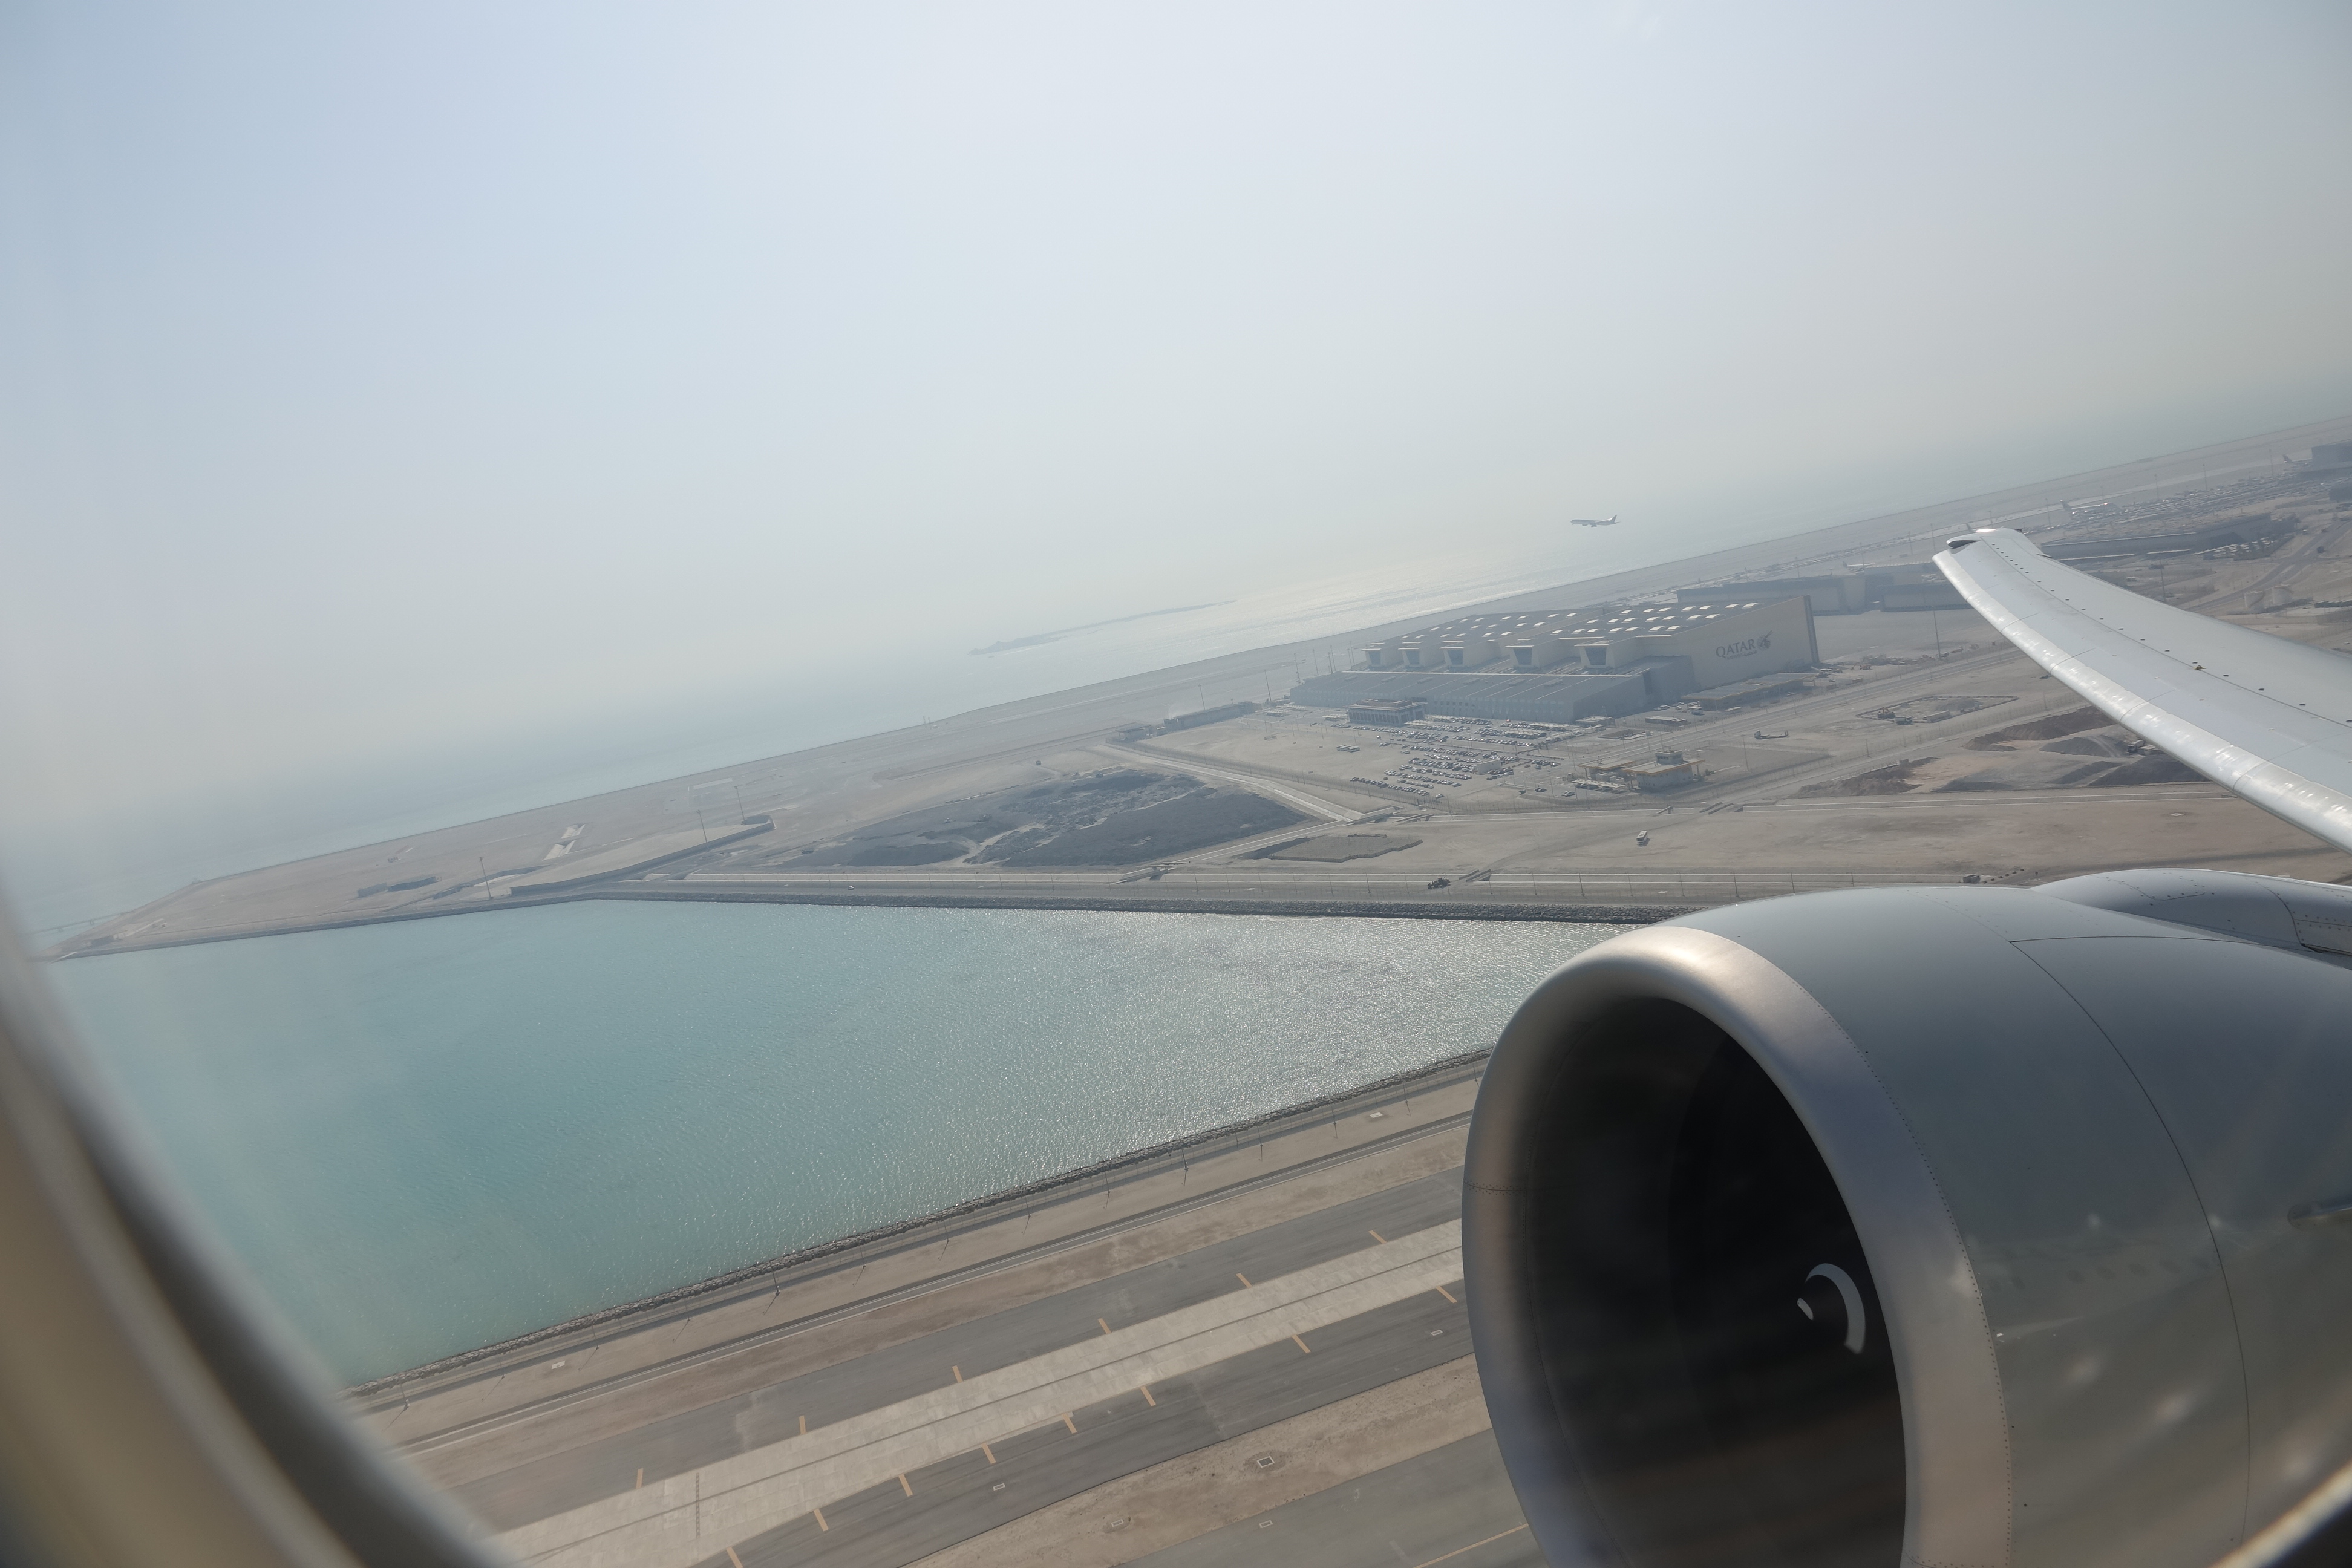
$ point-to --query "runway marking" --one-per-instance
(732, 1557)
(1376, 1236)
(787, 1479)
(904, 1487)
(990, 1452)
(1147, 1395)
(1244, 1279)
(1472, 1547)
(1106, 1326)
(959, 1371)
(1447, 1294)
(820, 1519)
(641, 1476)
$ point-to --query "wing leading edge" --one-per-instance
(2270, 719)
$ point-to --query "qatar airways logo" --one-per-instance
(1742, 649)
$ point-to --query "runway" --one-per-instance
(971, 1350)
(887, 1525)
(1451, 1505)
(1302, 1281)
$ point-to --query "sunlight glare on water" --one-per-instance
(419, 1137)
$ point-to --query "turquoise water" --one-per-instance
(421, 1138)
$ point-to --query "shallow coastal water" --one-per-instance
(420, 1138)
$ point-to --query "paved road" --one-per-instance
(887, 1526)
(754, 1418)
(1453, 1506)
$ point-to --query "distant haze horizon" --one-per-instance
(409, 405)
(62, 874)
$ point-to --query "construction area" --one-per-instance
(1723, 734)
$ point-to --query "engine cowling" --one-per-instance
(1953, 1225)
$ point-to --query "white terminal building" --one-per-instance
(1566, 666)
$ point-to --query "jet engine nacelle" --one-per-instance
(1929, 1226)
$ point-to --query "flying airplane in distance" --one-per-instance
(1609, 521)
(1871, 1225)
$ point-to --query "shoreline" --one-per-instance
(837, 782)
(925, 1229)
(1359, 909)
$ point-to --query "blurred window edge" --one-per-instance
(149, 1412)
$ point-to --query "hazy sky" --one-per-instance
(425, 381)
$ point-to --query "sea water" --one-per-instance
(419, 1137)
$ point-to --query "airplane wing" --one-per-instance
(2269, 718)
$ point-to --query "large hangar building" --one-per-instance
(1564, 666)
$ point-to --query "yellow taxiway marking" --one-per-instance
(1300, 1343)
(959, 1371)
(804, 1425)
(990, 1452)
(1244, 1278)
(904, 1487)
(641, 1476)
(1376, 1236)
(1447, 1294)
(1070, 1423)
(1106, 1326)
(1472, 1547)
(820, 1519)
(732, 1557)
(1146, 1397)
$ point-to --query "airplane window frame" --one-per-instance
(79, 1196)
(216, 1392)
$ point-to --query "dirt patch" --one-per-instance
(1189, 822)
(1116, 817)
(2045, 729)
(1340, 846)
(1892, 779)
(2115, 742)
(2156, 767)
(1999, 779)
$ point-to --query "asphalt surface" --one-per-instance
(1453, 1506)
(1222, 1401)
(889, 1525)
